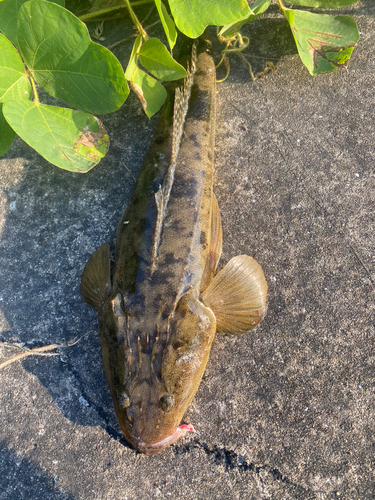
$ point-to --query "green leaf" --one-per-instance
(132, 65)
(6, 133)
(14, 83)
(65, 62)
(154, 56)
(257, 9)
(151, 93)
(323, 4)
(69, 139)
(167, 22)
(324, 42)
(193, 16)
(8, 17)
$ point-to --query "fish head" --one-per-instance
(149, 423)
(165, 377)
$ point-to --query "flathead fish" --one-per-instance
(160, 304)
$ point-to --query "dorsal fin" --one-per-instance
(181, 103)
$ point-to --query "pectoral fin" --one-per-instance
(237, 296)
(96, 277)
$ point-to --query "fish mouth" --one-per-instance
(154, 448)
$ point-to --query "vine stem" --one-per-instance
(135, 20)
(38, 351)
(36, 98)
(281, 5)
(102, 12)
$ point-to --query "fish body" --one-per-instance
(160, 305)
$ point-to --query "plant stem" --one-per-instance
(38, 351)
(138, 25)
(102, 12)
(281, 5)
(36, 98)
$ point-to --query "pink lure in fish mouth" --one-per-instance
(154, 448)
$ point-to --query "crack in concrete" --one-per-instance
(233, 461)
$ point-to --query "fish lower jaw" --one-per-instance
(154, 448)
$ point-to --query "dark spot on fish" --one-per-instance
(200, 103)
(131, 255)
(134, 303)
(165, 271)
(190, 187)
(185, 187)
(193, 139)
(203, 238)
(160, 139)
(171, 259)
(177, 226)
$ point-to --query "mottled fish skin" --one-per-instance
(161, 366)
(155, 331)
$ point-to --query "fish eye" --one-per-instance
(123, 399)
(167, 402)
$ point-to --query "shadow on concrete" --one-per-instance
(269, 41)
(52, 221)
(24, 480)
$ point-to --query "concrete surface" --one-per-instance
(284, 413)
